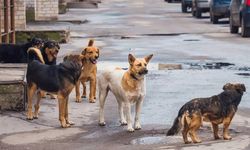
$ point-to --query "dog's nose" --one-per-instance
(96, 57)
(146, 71)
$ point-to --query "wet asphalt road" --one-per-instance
(142, 27)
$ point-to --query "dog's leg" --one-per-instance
(226, 123)
(84, 93)
(195, 124)
(77, 88)
(120, 109)
(52, 96)
(185, 131)
(103, 92)
(215, 130)
(37, 105)
(62, 105)
(127, 107)
(92, 90)
(67, 113)
(43, 94)
(31, 90)
(137, 114)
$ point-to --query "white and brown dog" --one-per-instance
(128, 86)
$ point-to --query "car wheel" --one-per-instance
(233, 29)
(198, 13)
(245, 31)
(215, 19)
(183, 8)
(193, 12)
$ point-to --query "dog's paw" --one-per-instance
(65, 125)
(123, 122)
(137, 127)
(217, 138)
(187, 142)
(227, 137)
(35, 116)
(30, 116)
(92, 101)
(70, 122)
(78, 101)
(102, 124)
(130, 130)
(198, 141)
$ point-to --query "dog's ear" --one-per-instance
(241, 87)
(98, 52)
(227, 86)
(47, 51)
(131, 59)
(91, 42)
(65, 58)
(84, 51)
(82, 56)
(148, 58)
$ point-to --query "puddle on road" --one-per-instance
(244, 74)
(212, 65)
(159, 139)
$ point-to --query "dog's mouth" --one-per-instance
(54, 54)
(93, 61)
(143, 72)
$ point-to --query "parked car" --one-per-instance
(171, 1)
(185, 5)
(199, 7)
(240, 17)
(219, 9)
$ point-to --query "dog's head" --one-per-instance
(236, 86)
(37, 43)
(74, 58)
(138, 66)
(51, 49)
(91, 52)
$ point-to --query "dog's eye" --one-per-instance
(145, 64)
(138, 65)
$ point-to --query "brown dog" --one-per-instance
(58, 79)
(216, 109)
(91, 54)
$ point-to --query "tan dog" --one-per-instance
(128, 88)
(217, 109)
(91, 54)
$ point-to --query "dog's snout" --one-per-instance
(146, 71)
(96, 57)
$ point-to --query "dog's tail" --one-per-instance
(91, 42)
(178, 122)
(35, 54)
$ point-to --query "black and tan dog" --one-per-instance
(91, 54)
(58, 79)
(24, 53)
(217, 109)
(49, 52)
(17, 53)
